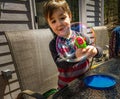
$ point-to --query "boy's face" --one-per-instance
(60, 23)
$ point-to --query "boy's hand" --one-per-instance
(89, 51)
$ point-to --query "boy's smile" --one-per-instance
(60, 23)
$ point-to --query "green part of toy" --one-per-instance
(49, 92)
(80, 42)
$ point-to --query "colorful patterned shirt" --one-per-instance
(66, 48)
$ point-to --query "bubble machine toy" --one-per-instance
(80, 42)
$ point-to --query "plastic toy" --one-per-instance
(80, 42)
(100, 81)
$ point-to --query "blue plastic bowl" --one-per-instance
(100, 81)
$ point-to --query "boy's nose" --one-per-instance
(59, 23)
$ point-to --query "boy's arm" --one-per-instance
(99, 52)
(61, 63)
(57, 59)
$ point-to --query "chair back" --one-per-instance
(101, 36)
(102, 40)
(33, 62)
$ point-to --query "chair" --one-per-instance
(102, 37)
(34, 65)
(3, 84)
(102, 40)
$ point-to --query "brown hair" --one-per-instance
(52, 5)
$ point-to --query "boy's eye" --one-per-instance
(63, 18)
(53, 21)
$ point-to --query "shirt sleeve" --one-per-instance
(99, 52)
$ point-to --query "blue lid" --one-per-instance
(100, 81)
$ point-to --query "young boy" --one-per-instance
(58, 15)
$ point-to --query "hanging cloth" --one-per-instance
(114, 45)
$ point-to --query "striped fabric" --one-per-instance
(68, 75)
(65, 47)
(114, 44)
